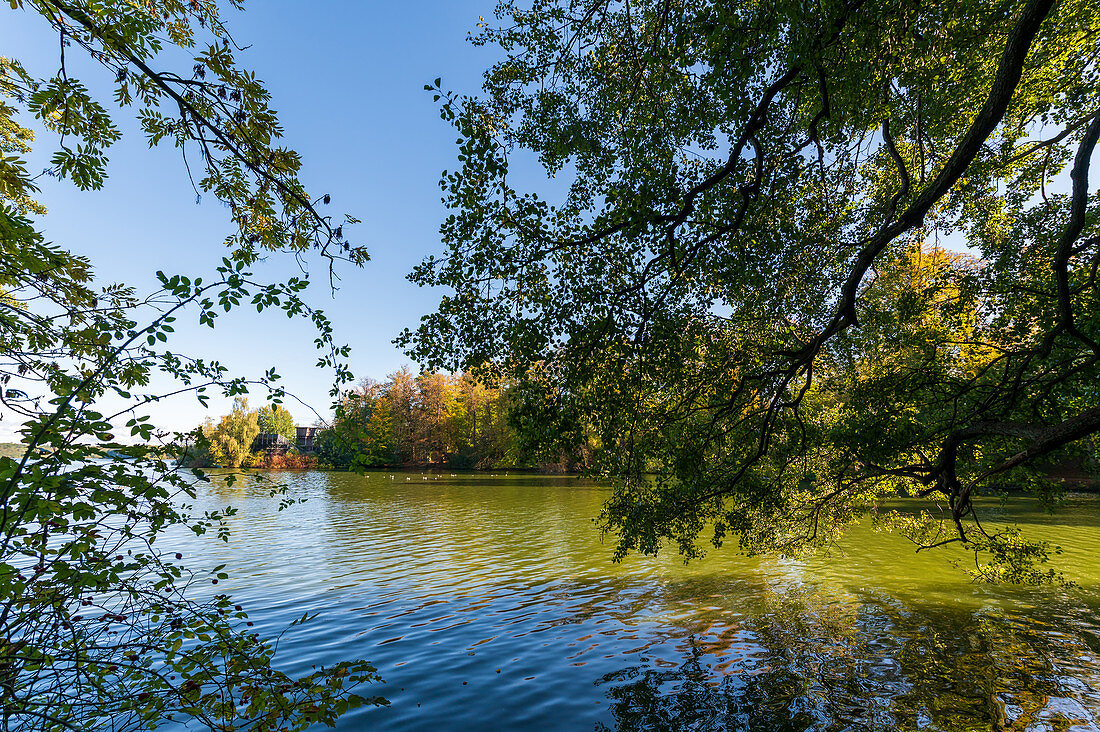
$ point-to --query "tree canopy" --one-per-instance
(432, 418)
(275, 420)
(738, 281)
(231, 438)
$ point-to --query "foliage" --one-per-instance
(432, 418)
(99, 628)
(276, 420)
(288, 460)
(228, 443)
(734, 281)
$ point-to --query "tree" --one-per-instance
(361, 432)
(436, 409)
(729, 179)
(412, 420)
(231, 439)
(275, 420)
(401, 392)
(98, 628)
(480, 425)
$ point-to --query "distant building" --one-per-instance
(270, 441)
(305, 437)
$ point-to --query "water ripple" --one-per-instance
(489, 603)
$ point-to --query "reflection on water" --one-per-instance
(877, 665)
(489, 602)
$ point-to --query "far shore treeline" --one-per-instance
(433, 419)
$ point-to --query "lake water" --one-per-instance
(489, 602)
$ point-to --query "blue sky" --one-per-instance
(347, 79)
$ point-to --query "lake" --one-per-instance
(490, 602)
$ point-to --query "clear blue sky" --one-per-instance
(347, 79)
